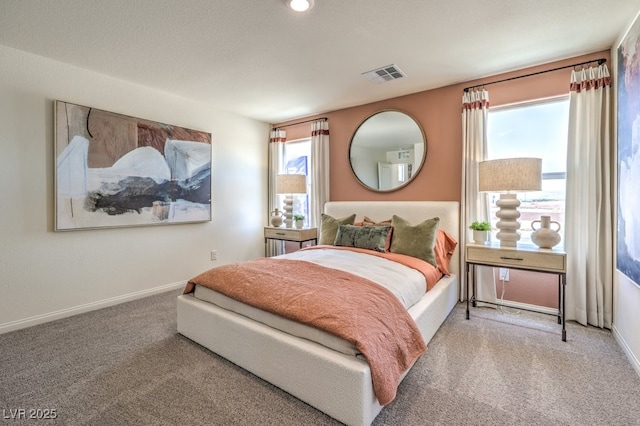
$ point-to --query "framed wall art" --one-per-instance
(628, 120)
(112, 170)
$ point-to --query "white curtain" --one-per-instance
(589, 210)
(276, 149)
(475, 205)
(319, 170)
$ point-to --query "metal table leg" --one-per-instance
(563, 281)
(468, 295)
(559, 299)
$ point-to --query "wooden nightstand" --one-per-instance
(525, 257)
(290, 234)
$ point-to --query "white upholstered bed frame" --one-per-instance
(334, 383)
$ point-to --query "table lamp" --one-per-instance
(289, 185)
(508, 176)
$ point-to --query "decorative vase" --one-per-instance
(480, 237)
(276, 218)
(544, 236)
(299, 224)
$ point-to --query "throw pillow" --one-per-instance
(443, 250)
(376, 238)
(329, 227)
(370, 222)
(415, 240)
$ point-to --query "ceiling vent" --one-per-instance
(387, 73)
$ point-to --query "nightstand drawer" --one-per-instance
(290, 234)
(281, 233)
(526, 259)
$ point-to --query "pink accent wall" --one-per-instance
(439, 113)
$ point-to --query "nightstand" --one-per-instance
(290, 234)
(525, 257)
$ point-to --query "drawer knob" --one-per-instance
(280, 233)
(510, 258)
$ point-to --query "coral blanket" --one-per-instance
(353, 308)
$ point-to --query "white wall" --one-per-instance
(626, 317)
(626, 294)
(45, 275)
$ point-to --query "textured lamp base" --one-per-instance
(508, 223)
(288, 211)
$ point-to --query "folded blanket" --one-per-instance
(353, 308)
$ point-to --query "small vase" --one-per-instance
(276, 218)
(480, 237)
(544, 236)
(299, 224)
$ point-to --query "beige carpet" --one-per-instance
(126, 365)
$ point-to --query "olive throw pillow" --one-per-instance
(415, 240)
(329, 227)
(376, 238)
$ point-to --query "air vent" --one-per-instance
(388, 73)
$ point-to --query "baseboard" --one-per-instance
(627, 350)
(75, 310)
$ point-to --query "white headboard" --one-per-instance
(413, 211)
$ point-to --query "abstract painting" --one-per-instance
(113, 170)
(628, 226)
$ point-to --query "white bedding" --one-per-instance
(407, 284)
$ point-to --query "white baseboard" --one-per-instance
(75, 310)
(627, 350)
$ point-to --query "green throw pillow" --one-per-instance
(329, 227)
(367, 237)
(415, 240)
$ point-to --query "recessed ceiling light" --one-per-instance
(299, 5)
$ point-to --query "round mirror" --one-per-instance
(387, 151)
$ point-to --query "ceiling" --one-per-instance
(259, 59)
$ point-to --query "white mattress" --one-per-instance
(275, 321)
(406, 283)
(301, 330)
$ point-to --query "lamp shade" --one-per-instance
(291, 184)
(510, 174)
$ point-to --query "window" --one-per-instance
(535, 129)
(296, 156)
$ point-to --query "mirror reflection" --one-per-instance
(387, 151)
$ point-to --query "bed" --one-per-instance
(332, 380)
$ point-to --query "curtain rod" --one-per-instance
(600, 62)
(299, 122)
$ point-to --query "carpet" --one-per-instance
(127, 365)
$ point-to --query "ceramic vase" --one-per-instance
(276, 218)
(543, 236)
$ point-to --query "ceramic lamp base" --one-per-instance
(508, 223)
(288, 211)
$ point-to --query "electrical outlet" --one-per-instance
(504, 274)
(214, 254)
